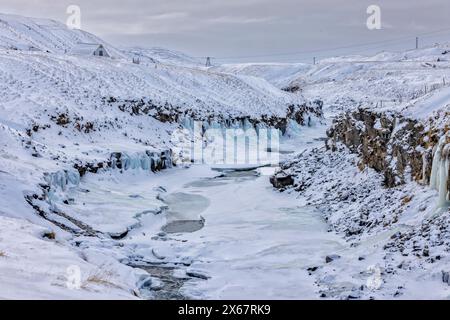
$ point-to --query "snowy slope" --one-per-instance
(391, 80)
(431, 103)
(66, 78)
(37, 268)
(54, 113)
(177, 80)
(278, 74)
(387, 80)
(36, 87)
(52, 105)
(166, 56)
(45, 35)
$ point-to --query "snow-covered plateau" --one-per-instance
(98, 202)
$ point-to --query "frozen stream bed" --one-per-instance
(213, 234)
(230, 233)
(219, 233)
(256, 243)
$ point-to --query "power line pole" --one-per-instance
(314, 60)
(417, 43)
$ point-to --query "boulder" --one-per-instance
(281, 180)
(331, 258)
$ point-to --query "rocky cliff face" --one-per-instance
(299, 113)
(364, 179)
(398, 147)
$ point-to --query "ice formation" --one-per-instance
(440, 169)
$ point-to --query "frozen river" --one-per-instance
(224, 235)
(217, 234)
(255, 243)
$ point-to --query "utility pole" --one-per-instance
(314, 60)
(208, 62)
(417, 43)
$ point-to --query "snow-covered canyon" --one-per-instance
(99, 200)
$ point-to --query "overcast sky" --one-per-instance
(266, 30)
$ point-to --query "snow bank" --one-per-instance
(33, 267)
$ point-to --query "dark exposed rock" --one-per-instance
(281, 180)
(91, 167)
(301, 114)
(61, 119)
(293, 88)
(195, 274)
(84, 127)
(311, 270)
(331, 258)
(49, 235)
(446, 277)
(118, 235)
(388, 143)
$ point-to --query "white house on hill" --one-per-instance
(90, 49)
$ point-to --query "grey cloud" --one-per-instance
(224, 28)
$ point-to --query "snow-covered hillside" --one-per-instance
(25, 34)
(279, 74)
(88, 192)
(173, 80)
(63, 115)
(52, 94)
(382, 178)
(69, 77)
(165, 56)
(390, 80)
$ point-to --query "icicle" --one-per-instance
(247, 124)
(126, 162)
(424, 167)
(443, 189)
(187, 123)
(439, 172)
(145, 162)
(216, 125)
(73, 177)
(62, 179)
(293, 128)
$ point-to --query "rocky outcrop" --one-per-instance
(354, 200)
(429, 240)
(281, 180)
(398, 147)
(301, 114)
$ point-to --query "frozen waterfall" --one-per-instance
(439, 173)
